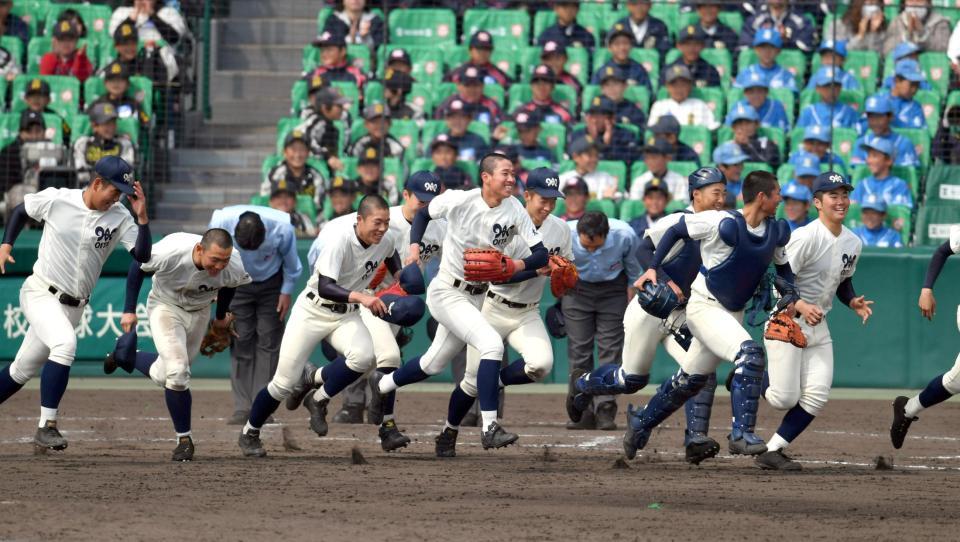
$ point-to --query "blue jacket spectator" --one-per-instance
(767, 45)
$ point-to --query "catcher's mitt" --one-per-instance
(378, 276)
(486, 265)
(563, 275)
(783, 328)
(216, 340)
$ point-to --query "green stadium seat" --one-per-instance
(578, 63)
(650, 59)
(15, 46)
(427, 27)
(41, 45)
(141, 90)
(937, 68)
(507, 60)
(64, 93)
(350, 92)
(10, 127)
(298, 97)
(749, 167)
(668, 13)
(454, 55)
(593, 20)
(96, 17)
(520, 94)
(322, 15)
(930, 101)
(729, 18)
(617, 170)
(700, 140)
(531, 165)
(427, 61)
(900, 218)
(605, 206)
(865, 66)
(682, 167)
(921, 143)
(421, 95)
(630, 209)
(33, 12)
(373, 91)
(908, 174)
(943, 184)
(393, 171)
(510, 28)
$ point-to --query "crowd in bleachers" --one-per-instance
(626, 99)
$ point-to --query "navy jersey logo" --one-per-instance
(503, 234)
(205, 288)
(848, 262)
(104, 236)
(555, 251)
(369, 268)
(428, 250)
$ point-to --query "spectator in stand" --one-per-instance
(470, 93)
(295, 173)
(65, 59)
(953, 51)
(797, 32)
(729, 158)
(946, 144)
(656, 156)
(796, 204)
(396, 86)
(9, 66)
(918, 23)
(907, 112)
(817, 141)
(688, 111)
(892, 190)
(767, 45)
(376, 121)
(333, 61)
(874, 231)
(648, 32)
(343, 197)
(528, 132)
(152, 24)
(370, 179)
(745, 123)
(104, 142)
(613, 85)
(74, 17)
(576, 194)
(829, 108)
(283, 198)
(399, 60)
(566, 30)
(542, 83)
(833, 54)
(586, 158)
(318, 123)
(906, 51)
(668, 129)
(619, 43)
(470, 146)
(158, 65)
(357, 24)
(655, 200)
(554, 55)
(879, 113)
(37, 98)
(481, 48)
(756, 93)
(690, 42)
(116, 81)
(863, 27)
(806, 168)
(443, 153)
(11, 25)
(718, 35)
(614, 142)
(32, 128)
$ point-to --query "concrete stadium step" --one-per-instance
(216, 158)
(220, 177)
(240, 9)
(185, 212)
(267, 30)
(243, 84)
(260, 57)
(164, 226)
(211, 195)
(264, 111)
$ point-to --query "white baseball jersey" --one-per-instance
(678, 185)
(690, 112)
(178, 282)
(430, 245)
(656, 231)
(471, 223)
(556, 238)
(342, 258)
(821, 261)
(76, 240)
(955, 239)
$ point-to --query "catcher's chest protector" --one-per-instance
(735, 279)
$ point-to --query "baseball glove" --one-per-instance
(486, 265)
(216, 340)
(783, 328)
(563, 275)
(378, 276)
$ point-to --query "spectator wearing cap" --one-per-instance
(718, 35)
(359, 25)
(554, 55)
(829, 111)
(833, 53)
(480, 51)
(906, 51)
(399, 60)
(443, 153)
(816, 141)
(648, 32)
(796, 204)
(605, 253)
(295, 173)
(619, 43)
(333, 60)
(863, 27)
(874, 231)
(907, 112)
(879, 116)
(756, 93)
(892, 190)
(396, 87)
(586, 158)
(668, 129)
(566, 30)
(613, 85)
(946, 143)
(283, 198)
(376, 120)
(32, 128)
(576, 194)
(656, 196)
(687, 110)
(37, 98)
(318, 122)
(613, 142)
(528, 133)
(470, 146)
(151, 23)
(479, 107)
(542, 83)
(343, 198)
(116, 81)
(65, 59)
(806, 168)
(160, 65)
(104, 141)
(690, 42)
(745, 124)
(918, 23)
(767, 44)
(797, 32)
(370, 179)
(656, 156)
(729, 158)
(13, 25)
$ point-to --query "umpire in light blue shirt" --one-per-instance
(605, 252)
(267, 244)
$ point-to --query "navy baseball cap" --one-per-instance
(481, 40)
(330, 39)
(553, 48)
(556, 323)
(666, 124)
(691, 32)
(403, 310)
(545, 182)
(411, 280)
(125, 351)
(830, 180)
(424, 184)
(117, 172)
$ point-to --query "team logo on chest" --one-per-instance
(368, 269)
(205, 288)
(555, 251)
(503, 234)
(848, 262)
(428, 250)
(104, 236)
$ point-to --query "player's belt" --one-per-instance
(507, 302)
(339, 308)
(66, 299)
(472, 289)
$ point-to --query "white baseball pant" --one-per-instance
(718, 334)
(51, 335)
(801, 375)
(642, 332)
(384, 336)
(177, 335)
(951, 379)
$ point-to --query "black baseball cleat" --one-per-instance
(447, 443)
(109, 364)
(701, 451)
(49, 437)
(349, 414)
(496, 437)
(901, 422)
(184, 450)
(318, 414)
(306, 385)
(572, 411)
(776, 460)
(251, 445)
(391, 438)
(606, 416)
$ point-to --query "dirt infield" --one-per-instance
(116, 481)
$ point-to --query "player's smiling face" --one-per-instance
(212, 259)
(500, 183)
(102, 195)
(833, 205)
(538, 206)
(372, 228)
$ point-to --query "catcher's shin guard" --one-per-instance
(610, 379)
(670, 396)
(745, 391)
(698, 410)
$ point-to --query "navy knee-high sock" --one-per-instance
(53, 383)
(934, 393)
(337, 376)
(263, 406)
(460, 404)
(794, 422)
(144, 360)
(409, 373)
(388, 401)
(179, 403)
(8, 386)
(515, 373)
(488, 385)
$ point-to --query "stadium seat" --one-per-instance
(427, 27)
(15, 46)
(552, 135)
(930, 101)
(605, 206)
(42, 45)
(865, 66)
(350, 92)
(617, 169)
(942, 184)
(593, 20)
(33, 12)
(908, 174)
(921, 143)
(96, 17)
(141, 90)
(900, 218)
(733, 19)
(682, 167)
(507, 60)
(427, 61)
(578, 63)
(510, 28)
(937, 68)
(630, 209)
(637, 94)
(10, 127)
(843, 141)
(64, 93)
(322, 15)
(393, 171)
(564, 95)
(700, 139)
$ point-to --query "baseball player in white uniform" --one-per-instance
(485, 217)
(81, 229)
(823, 255)
(190, 272)
(736, 248)
(513, 309)
(328, 309)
